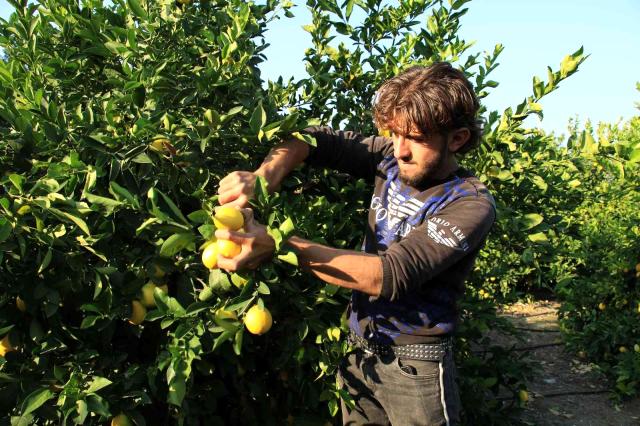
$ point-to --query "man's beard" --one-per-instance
(420, 180)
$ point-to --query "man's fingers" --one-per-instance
(236, 237)
(230, 200)
(227, 264)
(236, 263)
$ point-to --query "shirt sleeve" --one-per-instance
(348, 152)
(444, 239)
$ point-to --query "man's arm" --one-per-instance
(237, 188)
(344, 268)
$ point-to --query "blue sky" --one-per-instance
(535, 33)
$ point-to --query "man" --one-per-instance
(427, 221)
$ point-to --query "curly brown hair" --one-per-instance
(433, 99)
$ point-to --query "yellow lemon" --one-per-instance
(258, 320)
(523, 395)
(638, 267)
(148, 300)
(228, 248)
(228, 217)
(22, 307)
(138, 312)
(121, 420)
(602, 306)
(622, 349)
(210, 256)
(5, 346)
(160, 145)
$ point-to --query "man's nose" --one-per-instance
(401, 148)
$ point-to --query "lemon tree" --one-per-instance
(118, 119)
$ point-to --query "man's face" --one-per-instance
(420, 158)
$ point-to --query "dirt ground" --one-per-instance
(568, 391)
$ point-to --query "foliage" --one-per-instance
(601, 300)
(117, 121)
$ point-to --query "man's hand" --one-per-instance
(257, 245)
(237, 188)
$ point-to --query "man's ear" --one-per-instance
(457, 139)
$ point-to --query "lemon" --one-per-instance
(22, 307)
(159, 145)
(638, 267)
(5, 346)
(523, 395)
(138, 312)
(228, 217)
(258, 320)
(121, 420)
(602, 306)
(622, 349)
(636, 348)
(210, 256)
(228, 248)
(148, 300)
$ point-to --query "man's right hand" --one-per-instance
(237, 188)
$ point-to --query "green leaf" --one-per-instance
(237, 344)
(207, 231)
(175, 243)
(539, 237)
(122, 193)
(98, 383)
(223, 337)
(102, 201)
(64, 215)
(258, 118)
(35, 400)
(635, 156)
(17, 181)
(263, 289)
(199, 216)
(174, 209)
(261, 190)
(310, 140)
(530, 220)
(46, 261)
(177, 379)
(5, 229)
(137, 9)
(286, 227)
(290, 258)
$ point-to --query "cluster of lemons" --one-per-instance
(258, 319)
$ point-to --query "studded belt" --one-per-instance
(422, 351)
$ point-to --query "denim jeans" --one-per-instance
(396, 391)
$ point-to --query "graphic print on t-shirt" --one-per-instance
(397, 212)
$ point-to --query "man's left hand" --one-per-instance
(257, 245)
